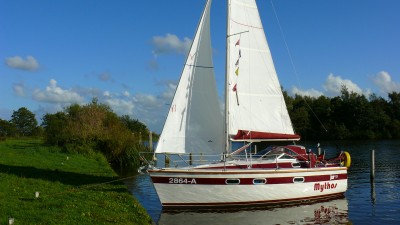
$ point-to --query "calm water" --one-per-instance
(364, 203)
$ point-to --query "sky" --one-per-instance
(129, 54)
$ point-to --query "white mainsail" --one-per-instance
(255, 101)
(194, 122)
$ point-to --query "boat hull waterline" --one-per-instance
(206, 188)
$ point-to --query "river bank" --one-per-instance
(42, 185)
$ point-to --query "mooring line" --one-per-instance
(85, 186)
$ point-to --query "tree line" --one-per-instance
(96, 128)
(349, 116)
(84, 129)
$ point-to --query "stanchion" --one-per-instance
(373, 193)
(372, 165)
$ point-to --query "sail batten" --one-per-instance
(206, 67)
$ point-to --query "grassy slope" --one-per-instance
(73, 190)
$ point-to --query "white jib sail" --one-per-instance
(194, 122)
(255, 100)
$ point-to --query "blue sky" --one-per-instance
(129, 54)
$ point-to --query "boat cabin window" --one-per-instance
(264, 151)
(259, 181)
(285, 156)
(298, 179)
(232, 181)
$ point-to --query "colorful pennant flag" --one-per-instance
(237, 63)
(237, 72)
(234, 88)
(238, 42)
(240, 53)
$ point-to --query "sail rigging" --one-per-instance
(255, 107)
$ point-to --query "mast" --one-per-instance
(227, 142)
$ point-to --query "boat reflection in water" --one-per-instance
(330, 212)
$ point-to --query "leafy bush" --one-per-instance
(94, 128)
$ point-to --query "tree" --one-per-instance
(300, 116)
(54, 128)
(94, 128)
(135, 126)
(394, 101)
(24, 121)
(320, 112)
(7, 129)
(380, 117)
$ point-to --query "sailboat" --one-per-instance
(201, 166)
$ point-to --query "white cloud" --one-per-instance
(126, 93)
(106, 94)
(120, 106)
(19, 89)
(170, 43)
(152, 109)
(16, 62)
(89, 93)
(48, 108)
(333, 85)
(311, 92)
(147, 108)
(169, 91)
(384, 82)
(55, 94)
(147, 101)
(119, 103)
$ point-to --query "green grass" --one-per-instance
(74, 189)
